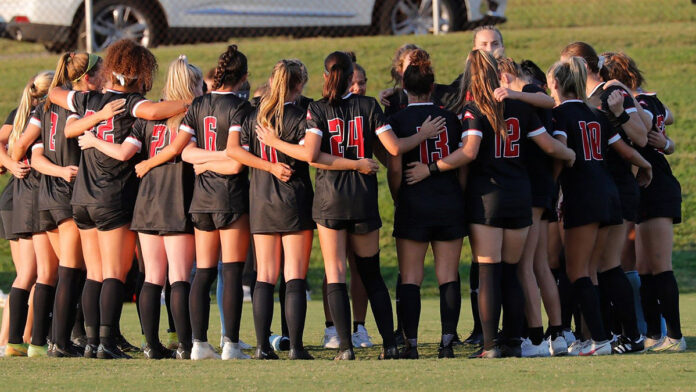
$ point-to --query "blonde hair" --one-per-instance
(71, 68)
(37, 88)
(286, 75)
(181, 82)
(480, 80)
(571, 76)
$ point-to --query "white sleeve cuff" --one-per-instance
(35, 121)
(472, 132)
(315, 131)
(631, 110)
(73, 116)
(246, 147)
(301, 143)
(666, 113)
(235, 128)
(37, 145)
(382, 129)
(614, 139)
(71, 102)
(136, 107)
(187, 129)
(134, 141)
(562, 133)
(537, 132)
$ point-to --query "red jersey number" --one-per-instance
(432, 152)
(268, 153)
(210, 127)
(52, 136)
(161, 137)
(591, 140)
(105, 129)
(510, 147)
(338, 142)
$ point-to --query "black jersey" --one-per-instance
(498, 184)
(6, 197)
(55, 192)
(589, 193)
(11, 117)
(165, 192)
(210, 119)
(25, 197)
(347, 130)
(539, 164)
(101, 180)
(277, 206)
(439, 199)
(442, 96)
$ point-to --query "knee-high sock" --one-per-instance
(339, 306)
(397, 301)
(368, 268)
(282, 288)
(64, 306)
(411, 309)
(150, 295)
(139, 281)
(19, 308)
(621, 296)
(473, 295)
(296, 311)
(634, 280)
(668, 296)
(513, 304)
(589, 304)
(651, 308)
(263, 312)
(233, 297)
(565, 296)
(78, 328)
(489, 299)
(219, 295)
(43, 304)
(110, 305)
(180, 312)
(199, 302)
(168, 305)
(91, 309)
(450, 307)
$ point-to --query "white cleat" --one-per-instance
(233, 351)
(596, 348)
(242, 345)
(558, 346)
(203, 350)
(247, 293)
(530, 350)
(650, 343)
(569, 336)
(577, 346)
(361, 338)
(669, 344)
(331, 339)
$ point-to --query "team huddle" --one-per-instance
(559, 179)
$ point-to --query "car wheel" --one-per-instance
(117, 19)
(400, 17)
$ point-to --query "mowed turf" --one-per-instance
(664, 372)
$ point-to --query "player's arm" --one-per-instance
(471, 142)
(628, 153)
(537, 99)
(168, 153)
(394, 174)
(237, 152)
(18, 169)
(552, 147)
(26, 140)
(394, 145)
(44, 166)
(160, 110)
(632, 123)
(307, 150)
(562, 138)
(195, 155)
(76, 126)
(61, 97)
(669, 118)
(120, 152)
(226, 166)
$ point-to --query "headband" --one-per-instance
(600, 62)
(91, 62)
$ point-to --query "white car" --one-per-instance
(59, 24)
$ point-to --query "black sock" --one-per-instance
(139, 281)
(282, 287)
(329, 324)
(651, 307)
(263, 312)
(621, 292)
(536, 335)
(78, 328)
(489, 300)
(339, 306)
(19, 308)
(110, 305)
(296, 311)
(43, 304)
(368, 268)
(356, 324)
(150, 297)
(605, 307)
(64, 307)
(411, 309)
(199, 302)
(450, 306)
(168, 305)
(513, 304)
(668, 297)
(90, 308)
(553, 331)
(473, 295)
(564, 295)
(232, 298)
(589, 304)
(397, 301)
(180, 312)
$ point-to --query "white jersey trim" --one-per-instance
(382, 129)
(134, 141)
(71, 102)
(562, 133)
(136, 107)
(315, 131)
(472, 132)
(614, 139)
(187, 129)
(537, 132)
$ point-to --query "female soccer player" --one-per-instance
(160, 215)
(105, 188)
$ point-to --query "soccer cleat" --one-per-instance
(16, 349)
(624, 345)
(80, 340)
(182, 353)
(445, 351)
(172, 340)
(360, 338)
(232, 351)
(409, 352)
(247, 293)
(124, 345)
(474, 339)
(330, 339)
(511, 349)
(652, 342)
(569, 336)
(457, 341)
(111, 352)
(345, 355)
(72, 351)
(37, 351)
(203, 350)
(279, 343)
(267, 354)
(90, 351)
(531, 350)
(557, 346)
(669, 344)
(245, 346)
(399, 337)
(158, 351)
(481, 353)
(389, 353)
(300, 354)
(577, 346)
(595, 348)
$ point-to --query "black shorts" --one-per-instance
(550, 215)
(103, 218)
(430, 233)
(505, 223)
(209, 221)
(187, 230)
(362, 226)
(50, 219)
(665, 209)
(6, 227)
(629, 206)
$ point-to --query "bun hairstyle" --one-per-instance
(130, 65)
(71, 68)
(419, 76)
(36, 89)
(621, 67)
(231, 68)
(181, 83)
(286, 77)
(584, 50)
(571, 77)
(338, 66)
(480, 80)
(398, 61)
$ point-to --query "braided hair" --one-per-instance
(231, 68)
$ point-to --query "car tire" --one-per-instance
(397, 17)
(116, 19)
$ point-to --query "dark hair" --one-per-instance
(231, 68)
(339, 68)
(419, 76)
(398, 60)
(533, 73)
(622, 68)
(127, 63)
(584, 50)
(356, 66)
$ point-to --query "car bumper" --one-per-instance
(35, 32)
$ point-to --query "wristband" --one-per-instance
(667, 145)
(432, 168)
(623, 117)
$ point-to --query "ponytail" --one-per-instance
(182, 80)
(480, 81)
(571, 77)
(339, 68)
(286, 76)
(231, 68)
(37, 88)
(71, 68)
(419, 76)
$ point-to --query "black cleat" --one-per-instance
(158, 352)
(299, 354)
(481, 353)
(345, 355)
(265, 354)
(113, 352)
(72, 351)
(389, 353)
(399, 337)
(90, 351)
(508, 350)
(124, 345)
(624, 345)
(284, 344)
(457, 341)
(445, 351)
(183, 353)
(80, 340)
(410, 352)
(474, 339)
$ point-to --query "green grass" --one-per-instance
(636, 372)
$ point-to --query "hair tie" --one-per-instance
(183, 57)
(600, 62)
(121, 78)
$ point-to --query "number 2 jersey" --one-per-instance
(348, 130)
(210, 119)
(439, 199)
(277, 206)
(101, 180)
(165, 192)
